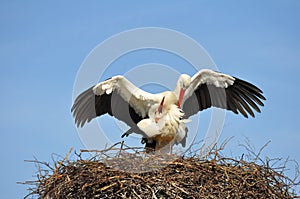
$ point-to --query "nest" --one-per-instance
(213, 176)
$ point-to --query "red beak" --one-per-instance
(161, 105)
(181, 94)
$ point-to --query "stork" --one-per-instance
(120, 98)
(165, 125)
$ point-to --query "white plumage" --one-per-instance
(165, 125)
(120, 98)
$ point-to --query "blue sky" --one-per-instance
(43, 44)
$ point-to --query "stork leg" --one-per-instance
(157, 147)
(158, 150)
(171, 148)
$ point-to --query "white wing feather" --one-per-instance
(209, 77)
(138, 99)
(149, 127)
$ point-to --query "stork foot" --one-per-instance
(125, 135)
(149, 144)
(144, 141)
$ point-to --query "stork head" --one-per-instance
(156, 110)
(158, 113)
(183, 83)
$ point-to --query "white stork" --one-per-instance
(118, 97)
(165, 125)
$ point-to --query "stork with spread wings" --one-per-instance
(118, 97)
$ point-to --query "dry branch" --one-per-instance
(192, 177)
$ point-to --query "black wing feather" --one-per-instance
(240, 97)
(88, 106)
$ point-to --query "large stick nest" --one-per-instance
(214, 176)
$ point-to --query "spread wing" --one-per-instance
(213, 89)
(116, 96)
